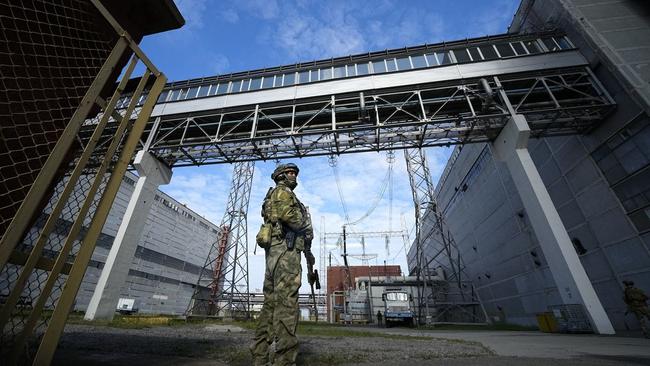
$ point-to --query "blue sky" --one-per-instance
(229, 36)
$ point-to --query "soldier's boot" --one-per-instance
(260, 352)
(641, 316)
(286, 344)
(261, 345)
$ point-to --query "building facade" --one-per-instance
(599, 181)
(337, 278)
(168, 260)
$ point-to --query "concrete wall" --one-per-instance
(168, 260)
(598, 181)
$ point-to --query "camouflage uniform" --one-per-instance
(279, 316)
(636, 302)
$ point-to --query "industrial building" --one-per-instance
(340, 280)
(169, 256)
(79, 230)
(599, 181)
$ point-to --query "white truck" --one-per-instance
(398, 308)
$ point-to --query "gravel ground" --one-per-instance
(228, 345)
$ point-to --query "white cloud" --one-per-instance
(220, 64)
(193, 11)
(265, 9)
(230, 15)
(304, 37)
(493, 20)
(412, 27)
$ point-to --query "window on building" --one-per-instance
(379, 66)
(277, 81)
(431, 59)
(404, 63)
(203, 91)
(213, 89)
(418, 61)
(462, 55)
(519, 48)
(222, 88)
(505, 50)
(444, 58)
(267, 82)
(577, 245)
(303, 77)
(236, 86)
(174, 95)
(163, 96)
(192, 92)
(489, 53)
(290, 78)
(363, 69)
(326, 73)
(256, 84)
(476, 56)
(245, 84)
(532, 47)
(391, 65)
(314, 75)
(351, 70)
(339, 72)
(550, 44)
(563, 43)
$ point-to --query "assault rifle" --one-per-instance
(312, 277)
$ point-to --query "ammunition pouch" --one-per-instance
(290, 239)
(263, 237)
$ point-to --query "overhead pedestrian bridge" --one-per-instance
(431, 95)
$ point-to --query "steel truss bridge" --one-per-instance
(433, 114)
(454, 103)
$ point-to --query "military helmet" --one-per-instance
(281, 168)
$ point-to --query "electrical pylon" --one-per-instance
(223, 286)
(452, 298)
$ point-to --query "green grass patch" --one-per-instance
(125, 321)
(336, 330)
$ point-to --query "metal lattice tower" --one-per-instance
(452, 294)
(223, 286)
(424, 199)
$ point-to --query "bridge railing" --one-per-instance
(455, 112)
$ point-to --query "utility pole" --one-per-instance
(348, 278)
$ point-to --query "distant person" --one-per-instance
(286, 232)
(379, 318)
(636, 301)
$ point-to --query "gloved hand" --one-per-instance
(310, 257)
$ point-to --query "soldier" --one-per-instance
(290, 233)
(636, 303)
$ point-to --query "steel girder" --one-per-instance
(553, 101)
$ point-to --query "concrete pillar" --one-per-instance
(511, 146)
(152, 174)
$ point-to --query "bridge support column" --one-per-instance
(152, 173)
(511, 146)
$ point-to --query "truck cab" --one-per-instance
(397, 308)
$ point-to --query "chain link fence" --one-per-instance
(70, 132)
(50, 53)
